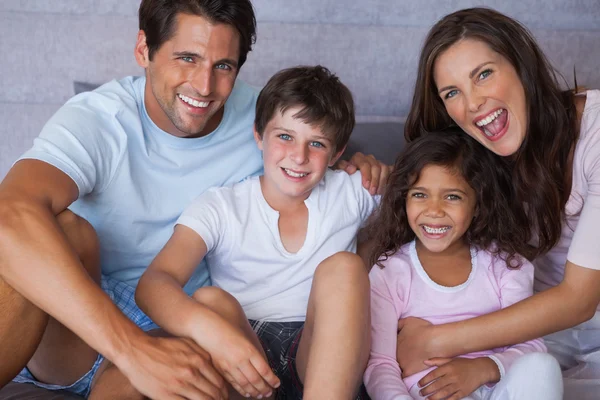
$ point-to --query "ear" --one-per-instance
(257, 138)
(141, 50)
(336, 156)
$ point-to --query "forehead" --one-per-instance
(194, 33)
(287, 120)
(442, 177)
(462, 57)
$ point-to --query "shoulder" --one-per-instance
(103, 109)
(398, 265)
(243, 96)
(587, 152)
(498, 265)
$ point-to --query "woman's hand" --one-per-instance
(457, 378)
(412, 345)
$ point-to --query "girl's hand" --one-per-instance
(457, 378)
(241, 363)
(412, 344)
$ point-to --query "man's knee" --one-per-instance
(82, 237)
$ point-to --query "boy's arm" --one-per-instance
(160, 294)
(383, 377)
(38, 263)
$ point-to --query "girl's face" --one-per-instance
(440, 206)
(483, 94)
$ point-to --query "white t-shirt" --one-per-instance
(246, 256)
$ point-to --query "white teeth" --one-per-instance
(489, 118)
(295, 174)
(436, 231)
(192, 102)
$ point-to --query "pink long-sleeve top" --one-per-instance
(403, 289)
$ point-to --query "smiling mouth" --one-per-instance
(294, 174)
(435, 231)
(494, 123)
(192, 102)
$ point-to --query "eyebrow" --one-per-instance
(471, 75)
(318, 137)
(423, 189)
(229, 61)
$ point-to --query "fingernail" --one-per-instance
(247, 395)
(259, 396)
(269, 394)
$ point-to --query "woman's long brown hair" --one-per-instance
(542, 165)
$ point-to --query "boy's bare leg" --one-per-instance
(55, 354)
(334, 347)
(229, 308)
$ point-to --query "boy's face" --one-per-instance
(440, 206)
(295, 156)
(190, 76)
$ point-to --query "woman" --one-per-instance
(484, 72)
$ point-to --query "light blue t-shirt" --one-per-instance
(134, 179)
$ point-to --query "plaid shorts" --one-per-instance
(280, 342)
(123, 296)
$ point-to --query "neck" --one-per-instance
(280, 202)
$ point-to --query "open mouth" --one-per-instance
(494, 124)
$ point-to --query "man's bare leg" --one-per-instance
(55, 354)
(334, 347)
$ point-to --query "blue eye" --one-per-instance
(223, 66)
(451, 94)
(317, 144)
(485, 74)
(284, 136)
(187, 59)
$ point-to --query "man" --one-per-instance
(127, 158)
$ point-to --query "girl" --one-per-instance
(447, 243)
(484, 72)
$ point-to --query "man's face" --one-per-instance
(190, 76)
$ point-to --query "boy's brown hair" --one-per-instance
(324, 100)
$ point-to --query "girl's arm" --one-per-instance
(383, 377)
(570, 303)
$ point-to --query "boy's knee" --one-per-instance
(342, 267)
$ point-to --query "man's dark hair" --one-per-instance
(158, 19)
(324, 101)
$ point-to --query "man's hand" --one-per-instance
(374, 173)
(172, 368)
(241, 363)
(412, 344)
(457, 378)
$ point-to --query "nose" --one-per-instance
(475, 100)
(434, 209)
(203, 80)
(299, 154)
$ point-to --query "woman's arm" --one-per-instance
(570, 303)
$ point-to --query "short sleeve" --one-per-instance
(206, 217)
(84, 142)
(584, 250)
(366, 201)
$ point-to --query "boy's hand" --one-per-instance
(241, 363)
(374, 173)
(457, 378)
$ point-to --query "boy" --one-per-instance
(279, 247)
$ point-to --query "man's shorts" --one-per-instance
(280, 342)
(123, 296)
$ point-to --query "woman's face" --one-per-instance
(483, 94)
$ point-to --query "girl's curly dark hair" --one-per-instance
(500, 224)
